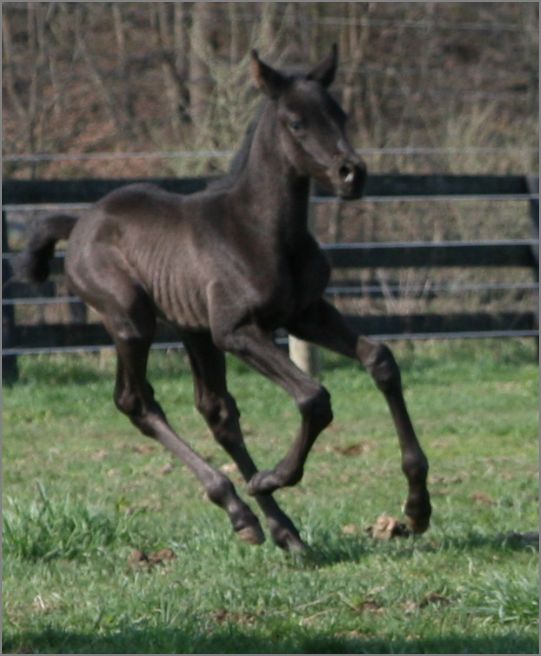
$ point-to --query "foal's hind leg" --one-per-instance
(220, 411)
(324, 325)
(132, 333)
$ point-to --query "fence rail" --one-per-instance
(21, 339)
(89, 190)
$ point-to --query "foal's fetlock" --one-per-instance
(266, 482)
(245, 524)
(415, 469)
(220, 491)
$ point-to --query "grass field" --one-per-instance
(83, 490)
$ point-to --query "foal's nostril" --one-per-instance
(350, 177)
(346, 172)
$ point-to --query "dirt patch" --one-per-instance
(431, 599)
(386, 528)
(356, 449)
(223, 616)
(140, 559)
(445, 480)
(370, 606)
(483, 499)
(98, 456)
(143, 448)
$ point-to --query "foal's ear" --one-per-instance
(269, 81)
(324, 72)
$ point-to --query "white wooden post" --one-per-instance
(304, 354)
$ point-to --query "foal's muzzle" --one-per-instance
(350, 179)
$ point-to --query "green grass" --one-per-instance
(82, 490)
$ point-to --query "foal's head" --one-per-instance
(311, 125)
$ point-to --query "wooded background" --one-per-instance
(147, 77)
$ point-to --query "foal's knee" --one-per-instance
(383, 369)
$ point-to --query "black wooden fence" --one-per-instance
(79, 335)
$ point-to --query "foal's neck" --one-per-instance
(277, 196)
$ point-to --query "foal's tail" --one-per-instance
(32, 265)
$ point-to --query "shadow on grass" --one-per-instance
(324, 553)
(232, 639)
(327, 550)
(499, 541)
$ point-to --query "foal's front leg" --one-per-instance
(322, 324)
(250, 344)
(220, 411)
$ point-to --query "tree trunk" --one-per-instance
(170, 79)
(181, 48)
(122, 68)
(200, 80)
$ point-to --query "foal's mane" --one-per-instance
(240, 159)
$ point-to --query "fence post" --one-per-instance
(533, 188)
(10, 370)
(304, 354)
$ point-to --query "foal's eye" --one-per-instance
(296, 126)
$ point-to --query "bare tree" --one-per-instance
(173, 42)
(25, 98)
(123, 75)
(201, 47)
(104, 91)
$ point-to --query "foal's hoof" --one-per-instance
(293, 545)
(417, 526)
(418, 511)
(288, 539)
(251, 535)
